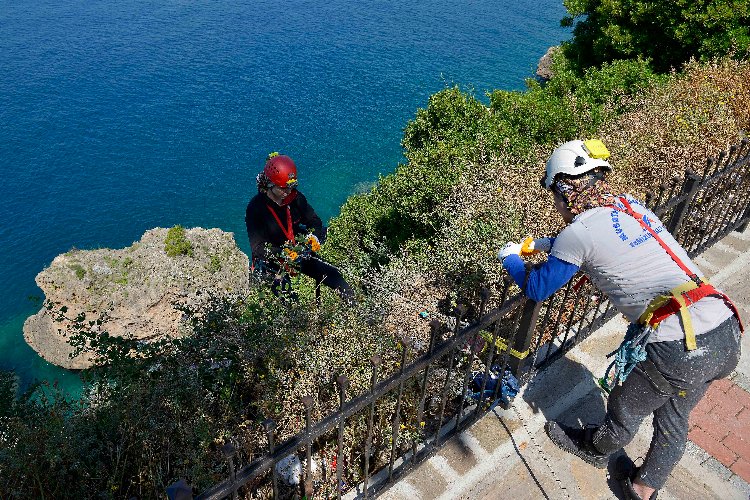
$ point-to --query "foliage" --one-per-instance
(155, 411)
(176, 242)
(293, 252)
(214, 265)
(667, 32)
(79, 270)
(702, 111)
(569, 105)
(399, 211)
(457, 134)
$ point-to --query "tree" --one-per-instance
(669, 32)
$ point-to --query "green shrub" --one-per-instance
(78, 269)
(452, 117)
(214, 265)
(156, 411)
(569, 106)
(457, 132)
(176, 242)
(667, 32)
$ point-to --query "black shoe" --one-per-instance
(576, 441)
(625, 473)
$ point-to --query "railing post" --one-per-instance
(435, 327)
(397, 413)
(690, 187)
(343, 383)
(743, 150)
(307, 401)
(484, 297)
(269, 425)
(745, 216)
(376, 361)
(522, 341)
(228, 451)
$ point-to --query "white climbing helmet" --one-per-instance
(575, 158)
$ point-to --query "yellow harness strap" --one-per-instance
(687, 324)
(677, 294)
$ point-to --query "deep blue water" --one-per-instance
(120, 116)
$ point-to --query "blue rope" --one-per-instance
(631, 352)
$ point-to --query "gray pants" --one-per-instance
(644, 392)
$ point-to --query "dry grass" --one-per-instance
(702, 111)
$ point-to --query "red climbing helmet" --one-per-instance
(281, 170)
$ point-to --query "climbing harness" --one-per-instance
(632, 350)
(681, 297)
(282, 285)
(289, 229)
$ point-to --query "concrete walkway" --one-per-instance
(506, 454)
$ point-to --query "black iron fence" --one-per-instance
(377, 437)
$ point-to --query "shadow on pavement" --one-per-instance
(567, 392)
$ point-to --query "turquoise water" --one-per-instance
(117, 117)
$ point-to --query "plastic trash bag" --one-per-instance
(508, 390)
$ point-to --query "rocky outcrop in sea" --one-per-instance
(139, 292)
(544, 67)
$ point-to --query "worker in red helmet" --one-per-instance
(279, 213)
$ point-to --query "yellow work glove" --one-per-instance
(533, 246)
(314, 243)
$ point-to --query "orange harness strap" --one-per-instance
(289, 230)
(691, 296)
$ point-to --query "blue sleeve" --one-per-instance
(516, 268)
(543, 280)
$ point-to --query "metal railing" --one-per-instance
(377, 437)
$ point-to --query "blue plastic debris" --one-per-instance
(424, 315)
(508, 390)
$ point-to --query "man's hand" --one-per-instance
(510, 248)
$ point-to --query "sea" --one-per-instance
(121, 116)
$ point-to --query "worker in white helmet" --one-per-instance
(684, 333)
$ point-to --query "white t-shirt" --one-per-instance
(626, 263)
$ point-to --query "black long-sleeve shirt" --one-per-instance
(263, 228)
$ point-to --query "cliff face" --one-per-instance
(137, 290)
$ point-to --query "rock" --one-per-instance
(137, 291)
(544, 68)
